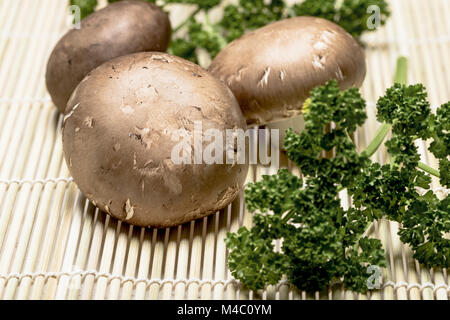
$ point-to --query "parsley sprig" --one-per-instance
(86, 6)
(352, 15)
(248, 15)
(321, 242)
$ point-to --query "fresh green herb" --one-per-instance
(320, 241)
(206, 36)
(111, 1)
(88, 6)
(247, 15)
(250, 15)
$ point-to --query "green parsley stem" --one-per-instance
(429, 169)
(401, 76)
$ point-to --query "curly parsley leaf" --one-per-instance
(327, 105)
(392, 190)
(321, 242)
(406, 108)
(258, 265)
(444, 170)
(111, 1)
(424, 225)
(439, 130)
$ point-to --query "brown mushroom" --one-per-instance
(271, 70)
(118, 144)
(120, 28)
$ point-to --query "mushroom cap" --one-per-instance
(117, 139)
(271, 70)
(119, 29)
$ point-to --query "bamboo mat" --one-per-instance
(55, 245)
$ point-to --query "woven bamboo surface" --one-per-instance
(55, 245)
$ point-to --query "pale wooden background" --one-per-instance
(54, 244)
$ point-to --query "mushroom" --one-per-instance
(271, 70)
(120, 28)
(118, 139)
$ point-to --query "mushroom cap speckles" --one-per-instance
(271, 70)
(122, 160)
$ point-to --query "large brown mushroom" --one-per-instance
(120, 28)
(272, 70)
(118, 139)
